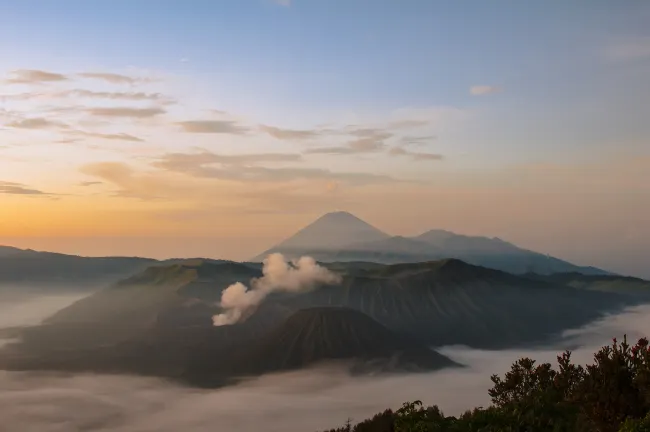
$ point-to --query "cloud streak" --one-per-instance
(289, 134)
(213, 127)
(245, 168)
(35, 123)
(126, 112)
(108, 136)
(628, 48)
(114, 78)
(34, 76)
(484, 90)
(130, 96)
(418, 156)
(11, 188)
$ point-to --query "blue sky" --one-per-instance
(537, 105)
(271, 61)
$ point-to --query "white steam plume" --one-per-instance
(278, 275)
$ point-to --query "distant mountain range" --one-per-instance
(341, 236)
(379, 318)
(334, 237)
(26, 267)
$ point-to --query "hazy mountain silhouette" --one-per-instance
(26, 267)
(34, 268)
(607, 283)
(343, 237)
(330, 231)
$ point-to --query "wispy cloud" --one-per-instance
(628, 48)
(107, 136)
(11, 188)
(368, 140)
(247, 168)
(132, 96)
(33, 76)
(361, 145)
(130, 183)
(126, 112)
(83, 93)
(289, 134)
(482, 90)
(214, 127)
(417, 140)
(114, 78)
(180, 161)
(418, 156)
(35, 123)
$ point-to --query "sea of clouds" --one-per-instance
(293, 402)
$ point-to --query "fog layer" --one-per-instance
(294, 402)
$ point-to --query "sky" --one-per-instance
(217, 128)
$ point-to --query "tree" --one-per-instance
(610, 395)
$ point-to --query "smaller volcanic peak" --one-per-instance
(454, 243)
(318, 334)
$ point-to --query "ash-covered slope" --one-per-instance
(452, 302)
(314, 335)
(440, 302)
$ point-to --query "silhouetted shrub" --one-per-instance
(610, 395)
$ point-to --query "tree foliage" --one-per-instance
(610, 395)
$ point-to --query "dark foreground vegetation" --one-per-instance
(610, 395)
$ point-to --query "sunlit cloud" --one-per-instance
(107, 136)
(33, 76)
(245, 168)
(12, 188)
(628, 48)
(418, 156)
(114, 78)
(483, 90)
(213, 127)
(35, 123)
(288, 134)
(126, 112)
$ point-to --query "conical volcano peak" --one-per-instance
(334, 230)
(342, 216)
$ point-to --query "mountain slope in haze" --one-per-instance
(451, 302)
(440, 303)
(30, 268)
(159, 322)
(356, 242)
(606, 283)
(214, 356)
(173, 295)
(34, 268)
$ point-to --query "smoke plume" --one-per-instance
(279, 275)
